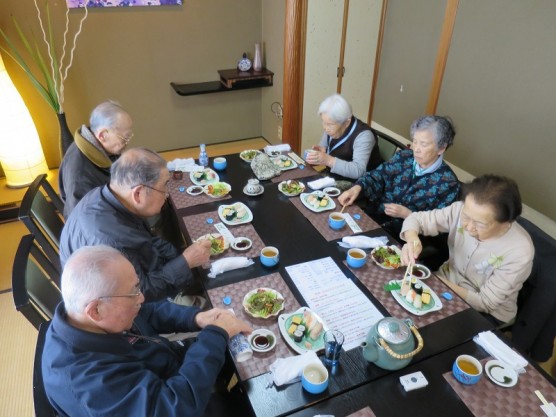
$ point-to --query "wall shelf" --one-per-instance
(230, 80)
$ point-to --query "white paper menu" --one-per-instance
(336, 299)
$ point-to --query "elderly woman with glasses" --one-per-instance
(491, 255)
(413, 179)
(347, 147)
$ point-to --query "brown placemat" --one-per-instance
(374, 278)
(320, 220)
(181, 199)
(296, 173)
(486, 399)
(364, 412)
(260, 362)
(197, 226)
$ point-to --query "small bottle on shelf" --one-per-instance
(203, 157)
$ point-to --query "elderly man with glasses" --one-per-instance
(103, 355)
(116, 215)
(87, 162)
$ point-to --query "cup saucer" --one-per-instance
(261, 190)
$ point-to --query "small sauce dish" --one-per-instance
(262, 340)
(332, 191)
(241, 243)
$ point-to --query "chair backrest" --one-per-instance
(35, 283)
(42, 212)
(387, 145)
(40, 400)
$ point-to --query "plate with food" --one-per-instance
(501, 373)
(303, 330)
(262, 340)
(417, 298)
(194, 190)
(291, 188)
(284, 162)
(217, 189)
(387, 257)
(241, 244)
(218, 243)
(317, 201)
(249, 154)
(237, 213)
(204, 176)
(263, 303)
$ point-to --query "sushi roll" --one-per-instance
(301, 328)
(410, 296)
(241, 212)
(298, 336)
(417, 302)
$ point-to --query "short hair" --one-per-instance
(501, 193)
(137, 166)
(106, 115)
(86, 278)
(441, 127)
(336, 107)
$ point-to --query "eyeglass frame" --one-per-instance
(123, 139)
(166, 193)
(137, 294)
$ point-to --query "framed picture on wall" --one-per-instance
(72, 4)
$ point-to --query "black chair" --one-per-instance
(40, 400)
(42, 212)
(35, 283)
(387, 145)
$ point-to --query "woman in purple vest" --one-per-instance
(347, 147)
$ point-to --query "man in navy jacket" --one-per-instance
(103, 355)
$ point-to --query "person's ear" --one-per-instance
(136, 194)
(102, 136)
(441, 150)
(93, 311)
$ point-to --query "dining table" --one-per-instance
(303, 236)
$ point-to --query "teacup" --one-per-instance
(269, 256)
(307, 153)
(219, 163)
(314, 378)
(467, 369)
(356, 258)
(177, 175)
(253, 186)
(336, 220)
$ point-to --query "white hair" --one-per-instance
(337, 108)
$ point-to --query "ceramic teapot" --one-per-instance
(390, 345)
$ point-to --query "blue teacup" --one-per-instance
(219, 163)
(269, 256)
(356, 258)
(467, 369)
(314, 378)
(336, 220)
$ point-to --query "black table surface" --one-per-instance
(280, 224)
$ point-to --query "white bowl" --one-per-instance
(262, 340)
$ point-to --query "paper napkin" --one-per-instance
(284, 147)
(321, 183)
(288, 370)
(185, 165)
(363, 242)
(501, 351)
(228, 264)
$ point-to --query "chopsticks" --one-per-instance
(541, 397)
(342, 210)
(407, 274)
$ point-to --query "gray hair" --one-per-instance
(336, 107)
(137, 166)
(86, 276)
(441, 127)
(106, 116)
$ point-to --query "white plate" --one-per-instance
(434, 305)
(426, 271)
(330, 206)
(261, 190)
(194, 190)
(268, 334)
(244, 154)
(242, 248)
(501, 374)
(211, 236)
(227, 186)
(395, 248)
(246, 218)
(332, 191)
(281, 159)
(284, 321)
(210, 175)
(278, 296)
(283, 183)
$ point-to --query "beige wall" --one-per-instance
(132, 54)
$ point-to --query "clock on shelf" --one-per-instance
(244, 64)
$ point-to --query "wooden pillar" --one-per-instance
(377, 59)
(294, 70)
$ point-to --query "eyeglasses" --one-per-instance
(135, 294)
(124, 139)
(466, 220)
(165, 192)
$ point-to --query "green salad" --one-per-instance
(292, 187)
(386, 256)
(264, 303)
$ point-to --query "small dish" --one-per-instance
(420, 272)
(332, 191)
(248, 154)
(501, 374)
(291, 188)
(314, 201)
(262, 340)
(217, 189)
(261, 190)
(392, 261)
(241, 244)
(263, 303)
(194, 190)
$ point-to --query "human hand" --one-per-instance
(204, 318)
(232, 325)
(318, 157)
(412, 249)
(198, 253)
(348, 197)
(396, 210)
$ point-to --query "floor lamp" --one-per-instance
(21, 153)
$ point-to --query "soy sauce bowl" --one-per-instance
(262, 340)
(241, 244)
